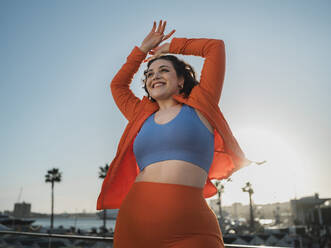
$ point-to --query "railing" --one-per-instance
(105, 239)
(53, 235)
(253, 246)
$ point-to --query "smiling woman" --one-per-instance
(175, 142)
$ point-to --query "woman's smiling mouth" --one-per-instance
(157, 84)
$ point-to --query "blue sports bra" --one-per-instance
(183, 138)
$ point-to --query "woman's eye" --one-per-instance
(148, 75)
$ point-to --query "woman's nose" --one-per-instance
(156, 75)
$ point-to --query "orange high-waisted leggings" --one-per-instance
(161, 215)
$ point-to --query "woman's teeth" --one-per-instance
(158, 85)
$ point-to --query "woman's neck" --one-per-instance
(166, 104)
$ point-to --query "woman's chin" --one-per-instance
(162, 95)
(159, 96)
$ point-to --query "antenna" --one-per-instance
(20, 195)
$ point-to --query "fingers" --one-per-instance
(148, 59)
(153, 51)
(157, 54)
(168, 35)
(159, 27)
(156, 51)
(154, 27)
(163, 26)
(156, 35)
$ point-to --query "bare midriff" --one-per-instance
(174, 172)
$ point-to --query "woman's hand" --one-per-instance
(155, 37)
(157, 51)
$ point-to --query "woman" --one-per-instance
(176, 141)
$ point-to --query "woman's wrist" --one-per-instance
(143, 49)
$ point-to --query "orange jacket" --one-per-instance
(228, 157)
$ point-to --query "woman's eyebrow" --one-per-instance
(159, 67)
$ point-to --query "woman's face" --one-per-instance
(161, 80)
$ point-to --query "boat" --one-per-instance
(111, 214)
(11, 221)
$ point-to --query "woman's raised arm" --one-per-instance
(124, 98)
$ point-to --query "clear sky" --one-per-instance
(57, 59)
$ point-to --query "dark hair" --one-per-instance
(182, 70)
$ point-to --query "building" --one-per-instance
(279, 211)
(22, 210)
(311, 210)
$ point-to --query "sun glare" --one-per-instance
(274, 181)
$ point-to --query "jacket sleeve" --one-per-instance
(124, 98)
(212, 74)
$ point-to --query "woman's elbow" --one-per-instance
(215, 46)
(219, 44)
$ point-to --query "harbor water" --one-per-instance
(83, 223)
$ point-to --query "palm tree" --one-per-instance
(103, 171)
(102, 174)
(220, 190)
(248, 188)
(52, 176)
